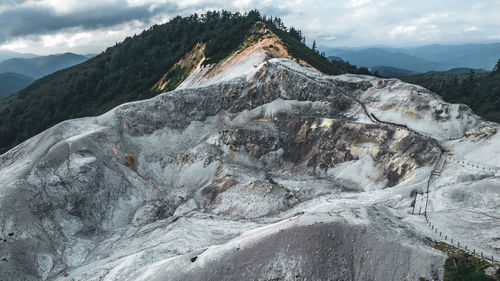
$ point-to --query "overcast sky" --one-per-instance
(89, 26)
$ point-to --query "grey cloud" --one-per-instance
(338, 36)
(366, 25)
(20, 22)
(11, 2)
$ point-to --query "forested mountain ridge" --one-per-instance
(12, 82)
(480, 91)
(129, 70)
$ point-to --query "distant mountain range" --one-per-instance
(13, 82)
(40, 66)
(5, 55)
(422, 59)
(17, 73)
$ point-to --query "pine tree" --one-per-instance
(497, 66)
(314, 46)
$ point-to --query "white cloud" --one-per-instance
(75, 40)
(69, 40)
(470, 29)
(431, 18)
(15, 45)
(242, 4)
(357, 3)
(402, 30)
(428, 33)
(66, 6)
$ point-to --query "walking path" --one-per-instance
(421, 200)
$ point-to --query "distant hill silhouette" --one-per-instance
(6, 54)
(40, 66)
(13, 82)
(479, 56)
(423, 59)
(374, 57)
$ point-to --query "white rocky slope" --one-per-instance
(281, 173)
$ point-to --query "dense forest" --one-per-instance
(128, 70)
(349, 68)
(480, 91)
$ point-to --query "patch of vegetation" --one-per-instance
(349, 68)
(480, 91)
(193, 259)
(460, 265)
(176, 77)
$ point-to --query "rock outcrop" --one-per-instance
(280, 173)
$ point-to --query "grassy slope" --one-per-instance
(461, 265)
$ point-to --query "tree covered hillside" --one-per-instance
(13, 82)
(128, 71)
(480, 91)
